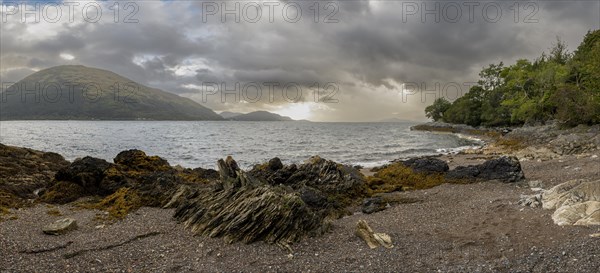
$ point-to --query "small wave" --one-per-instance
(371, 164)
(470, 138)
(455, 150)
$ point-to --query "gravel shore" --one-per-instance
(453, 228)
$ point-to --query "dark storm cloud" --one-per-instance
(372, 49)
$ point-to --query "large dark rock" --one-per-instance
(275, 164)
(87, 172)
(505, 169)
(138, 160)
(272, 172)
(426, 165)
(463, 172)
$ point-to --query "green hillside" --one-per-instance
(79, 92)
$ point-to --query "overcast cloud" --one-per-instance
(371, 50)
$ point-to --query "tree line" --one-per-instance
(559, 85)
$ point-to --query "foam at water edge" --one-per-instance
(372, 164)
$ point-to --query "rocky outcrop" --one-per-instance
(576, 202)
(437, 126)
(536, 153)
(273, 202)
(150, 176)
(323, 184)
(550, 141)
(24, 172)
(505, 169)
(582, 214)
(87, 172)
(574, 143)
(245, 208)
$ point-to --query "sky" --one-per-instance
(317, 60)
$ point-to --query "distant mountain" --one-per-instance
(79, 92)
(229, 115)
(261, 116)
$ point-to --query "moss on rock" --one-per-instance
(120, 203)
(62, 192)
(397, 176)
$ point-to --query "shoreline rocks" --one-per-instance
(576, 202)
(427, 165)
(249, 207)
(25, 172)
(506, 169)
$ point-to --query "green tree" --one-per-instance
(466, 109)
(490, 76)
(437, 109)
(559, 52)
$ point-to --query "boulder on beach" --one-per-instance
(426, 165)
(505, 169)
(576, 202)
(87, 172)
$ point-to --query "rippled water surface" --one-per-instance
(202, 143)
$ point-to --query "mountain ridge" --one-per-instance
(84, 93)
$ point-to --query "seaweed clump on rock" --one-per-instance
(272, 202)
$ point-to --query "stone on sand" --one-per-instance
(61, 226)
